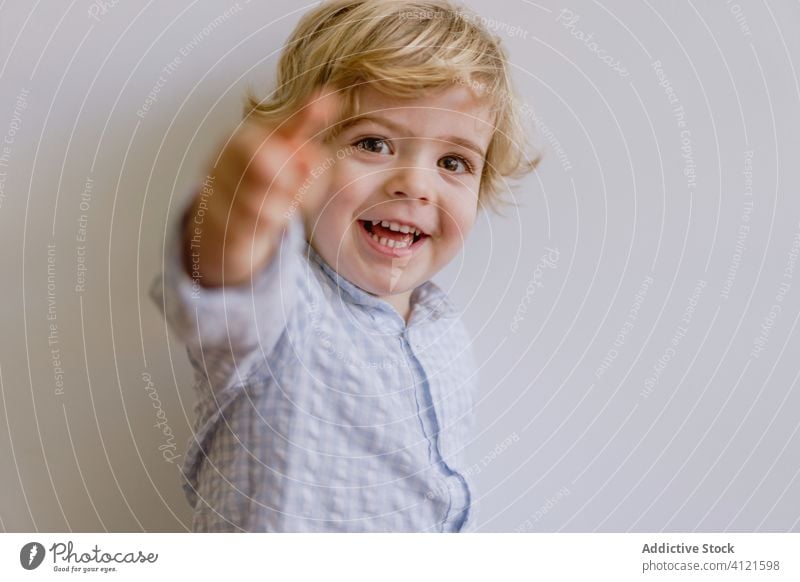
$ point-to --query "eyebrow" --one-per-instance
(462, 141)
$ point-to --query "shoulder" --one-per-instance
(442, 323)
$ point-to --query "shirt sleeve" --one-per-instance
(228, 330)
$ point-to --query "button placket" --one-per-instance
(440, 442)
(438, 412)
(446, 441)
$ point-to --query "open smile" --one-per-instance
(391, 242)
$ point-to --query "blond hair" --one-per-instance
(402, 48)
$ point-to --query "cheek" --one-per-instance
(350, 188)
(347, 194)
(347, 181)
(460, 218)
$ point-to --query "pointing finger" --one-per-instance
(313, 117)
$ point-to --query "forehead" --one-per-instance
(455, 110)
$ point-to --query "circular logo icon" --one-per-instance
(31, 555)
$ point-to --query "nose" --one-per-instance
(410, 181)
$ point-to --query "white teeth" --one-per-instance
(392, 244)
(397, 227)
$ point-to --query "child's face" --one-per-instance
(413, 162)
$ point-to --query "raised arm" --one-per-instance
(232, 264)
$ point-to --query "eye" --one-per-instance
(455, 164)
(373, 144)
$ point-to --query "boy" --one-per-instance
(335, 380)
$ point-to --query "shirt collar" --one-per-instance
(428, 301)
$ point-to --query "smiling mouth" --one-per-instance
(391, 238)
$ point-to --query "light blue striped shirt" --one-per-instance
(319, 408)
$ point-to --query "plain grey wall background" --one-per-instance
(635, 317)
